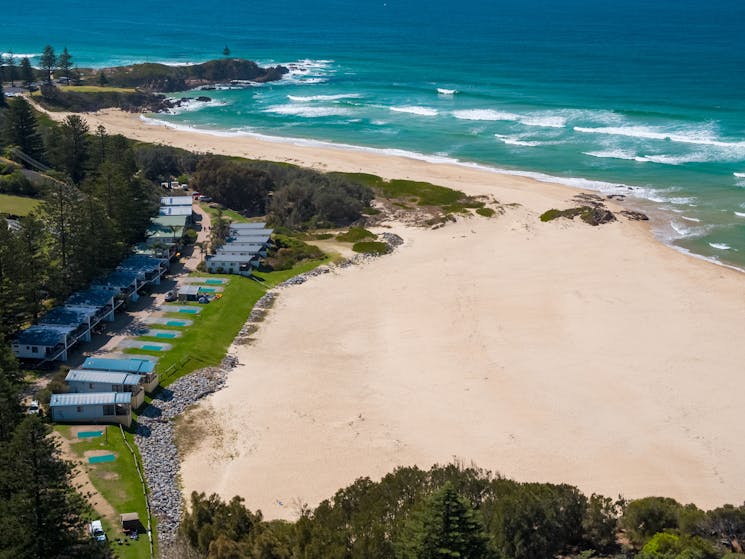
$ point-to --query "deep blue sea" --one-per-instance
(641, 97)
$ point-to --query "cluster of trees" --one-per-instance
(89, 216)
(452, 511)
(41, 514)
(11, 70)
(293, 197)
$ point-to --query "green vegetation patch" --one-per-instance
(17, 205)
(323, 236)
(403, 192)
(371, 247)
(486, 212)
(118, 483)
(289, 251)
(356, 234)
(592, 215)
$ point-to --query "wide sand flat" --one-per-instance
(548, 352)
(544, 351)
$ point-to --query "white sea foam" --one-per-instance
(740, 214)
(739, 175)
(306, 111)
(720, 246)
(516, 141)
(18, 56)
(309, 98)
(693, 219)
(443, 91)
(484, 114)
(544, 120)
(416, 110)
(698, 137)
(192, 105)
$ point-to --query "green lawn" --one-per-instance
(17, 205)
(228, 214)
(204, 343)
(118, 483)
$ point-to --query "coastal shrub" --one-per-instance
(160, 163)
(551, 214)
(371, 211)
(371, 247)
(288, 251)
(671, 546)
(356, 234)
(486, 212)
(15, 182)
(237, 185)
(318, 201)
(645, 517)
(323, 236)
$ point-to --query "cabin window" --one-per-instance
(109, 409)
(79, 409)
(34, 349)
(90, 385)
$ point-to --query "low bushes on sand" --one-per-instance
(356, 234)
(371, 247)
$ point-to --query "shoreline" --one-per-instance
(387, 163)
(580, 352)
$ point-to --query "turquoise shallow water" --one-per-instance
(643, 98)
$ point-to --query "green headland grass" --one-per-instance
(17, 205)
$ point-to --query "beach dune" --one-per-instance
(554, 351)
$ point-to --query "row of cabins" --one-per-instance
(167, 230)
(67, 325)
(246, 244)
(104, 390)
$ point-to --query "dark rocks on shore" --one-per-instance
(634, 216)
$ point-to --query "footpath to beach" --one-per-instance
(546, 351)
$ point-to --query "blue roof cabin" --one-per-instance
(141, 367)
(121, 283)
(45, 342)
(102, 300)
(175, 210)
(85, 381)
(249, 225)
(82, 318)
(95, 407)
(151, 268)
(242, 249)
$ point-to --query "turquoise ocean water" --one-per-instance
(640, 97)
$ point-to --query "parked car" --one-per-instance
(171, 296)
(96, 530)
(33, 407)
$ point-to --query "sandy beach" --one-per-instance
(544, 351)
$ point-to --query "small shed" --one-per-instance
(188, 293)
(97, 407)
(131, 523)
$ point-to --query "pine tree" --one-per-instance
(64, 63)
(10, 389)
(27, 72)
(41, 513)
(68, 147)
(10, 68)
(48, 62)
(21, 129)
(446, 528)
(3, 102)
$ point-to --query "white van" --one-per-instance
(96, 530)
